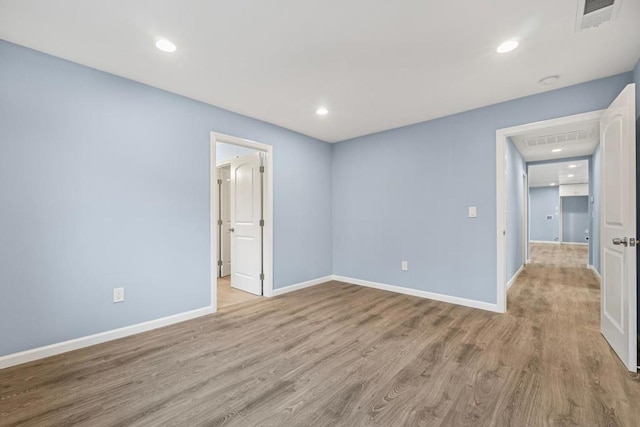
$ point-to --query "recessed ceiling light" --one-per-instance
(548, 81)
(553, 183)
(507, 46)
(322, 111)
(556, 150)
(165, 45)
(570, 176)
(573, 166)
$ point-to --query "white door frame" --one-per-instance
(501, 190)
(525, 219)
(219, 167)
(268, 211)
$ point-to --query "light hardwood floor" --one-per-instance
(339, 354)
(229, 296)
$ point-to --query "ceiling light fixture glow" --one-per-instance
(556, 150)
(553, 183)
(570, 176)
(322, 111)
(573, 166)
(165, 45)
(507, 46)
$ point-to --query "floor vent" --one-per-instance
(592, 13)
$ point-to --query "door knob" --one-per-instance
(619, 241)
(233, 229)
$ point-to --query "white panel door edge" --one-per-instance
(618, 313)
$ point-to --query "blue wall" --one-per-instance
(575, 219)
(544, 201)
(516, 166)
(419, 212)
(104, 182)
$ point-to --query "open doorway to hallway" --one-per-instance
(612, 192)
(551, 190)
(241, 220)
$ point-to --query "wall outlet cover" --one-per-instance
(118, 294)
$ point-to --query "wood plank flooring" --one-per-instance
(343, 355)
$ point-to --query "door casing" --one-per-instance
(501, 191)
(268, 211)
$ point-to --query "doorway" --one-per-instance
(241, 220)
(519, 149)
(616, 283)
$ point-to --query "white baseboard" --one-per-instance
(555, 242)
(78, 343)
(575, 243)
(418, 293)
(528, 261)
(298, 286)
(592, 268)
(515, 276)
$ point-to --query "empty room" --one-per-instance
(290, 213)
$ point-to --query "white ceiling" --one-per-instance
(575, 140)
(558, 173)
(375, 64)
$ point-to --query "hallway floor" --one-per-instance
(555, 255)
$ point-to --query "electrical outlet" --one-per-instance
(118, 294)
(404, 266)
(473, 212)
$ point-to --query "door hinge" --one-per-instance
(261, 169)
(262, 223)
(261, 276)
(219, 263)
(219, 181)
(219, 222)
(632, 242)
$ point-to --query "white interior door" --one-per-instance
(225, 216)
(246, 213)
(618, 227)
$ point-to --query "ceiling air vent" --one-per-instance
(592, 13)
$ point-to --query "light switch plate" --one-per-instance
(473, 213)
(404, 266)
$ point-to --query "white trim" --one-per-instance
(298, 286)
(268, 210)
(528, 261)
(560, 232)
(525, 219)
(575, 243)
(593, 268)
(547, 242)
(418, 293)
(515, 276)
(78, 343)
(501, 191)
